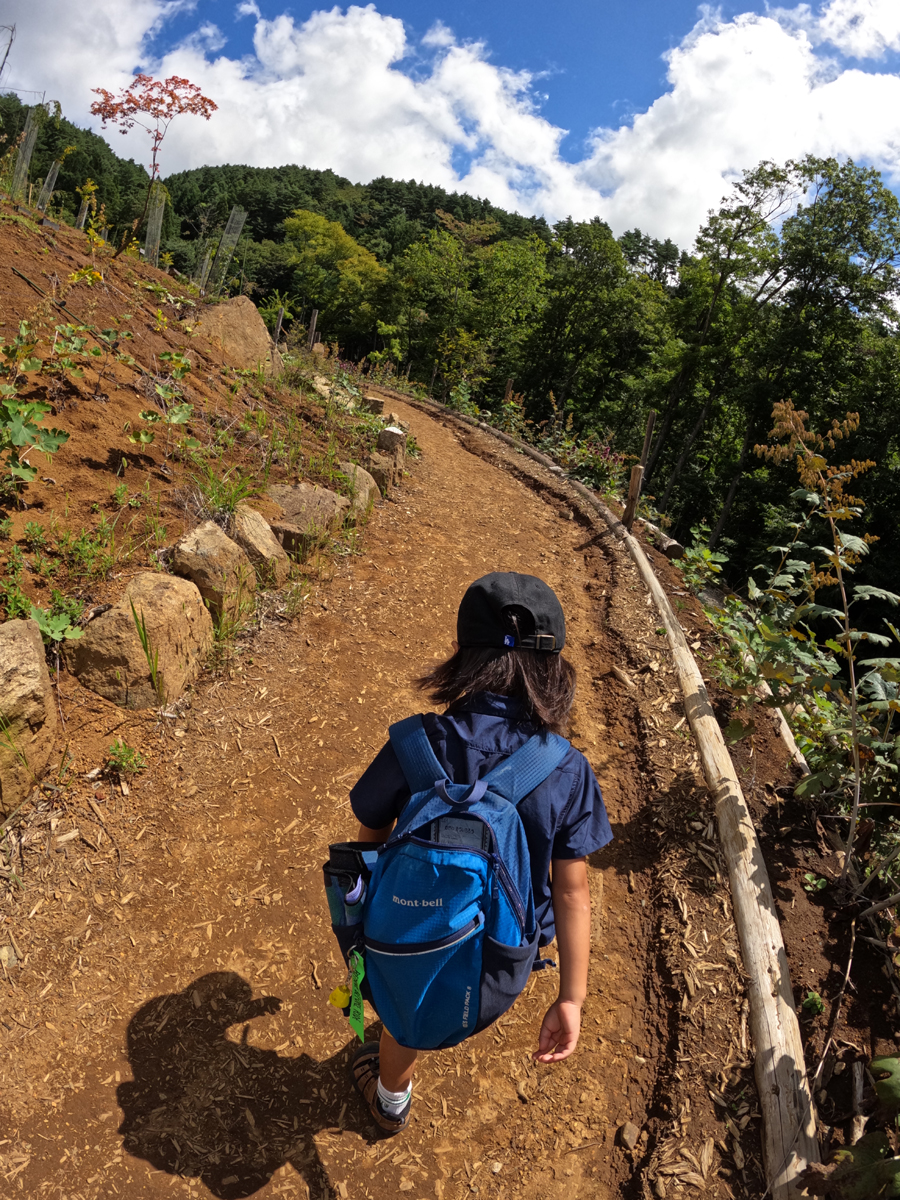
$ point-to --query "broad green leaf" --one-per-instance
(22, 471)
(851, 542)
(878, 638)
(735, 730)
(886, 1073)
(864, 592)
(180, 414)
(20, 432)
(150, 415)
(866, 1171)
(31, 364)
(50, 440)
(806, 497)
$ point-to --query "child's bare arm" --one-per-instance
(572, 912)
(374, 835)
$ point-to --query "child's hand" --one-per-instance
(559, 1032)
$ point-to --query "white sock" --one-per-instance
(393, 1103)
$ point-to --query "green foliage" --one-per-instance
(21, 422)
(813, 1005)
(700, 566)
(220, 494)
(338, 275)
(121, 184)
(813, 883)
(125, 760)
(55, 627)
(151, 654)
(271, 307)
(35, 535)
(871, 1167)
(69, 607)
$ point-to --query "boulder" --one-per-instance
(323, 386)
(394, 419)
(236, 328)
(220, 569)
(252, 533)
(382, 469)
(309, 507)
(110, 659)
(372, 404)
(392, 440)
(365, 489)
(27, 712)
(311, 514)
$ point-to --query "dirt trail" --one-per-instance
(149, 1075)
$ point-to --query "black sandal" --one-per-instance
(364, 1071)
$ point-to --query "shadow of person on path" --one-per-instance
(223, 1111)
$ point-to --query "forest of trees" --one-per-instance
(789, 292)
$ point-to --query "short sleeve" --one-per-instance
(378, 797)
(584, 827)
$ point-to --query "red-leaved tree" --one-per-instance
(153, 104)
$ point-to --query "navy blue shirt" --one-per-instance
(563, 818)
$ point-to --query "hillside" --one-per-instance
(165, 952)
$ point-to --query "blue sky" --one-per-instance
(597, 62)
(642, 112)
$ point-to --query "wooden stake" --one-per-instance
(634, 494)
(648, 434)
(278, 326)
(312, 328)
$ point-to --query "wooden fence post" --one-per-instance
(634, 493)
(637, 475)
(312, 329)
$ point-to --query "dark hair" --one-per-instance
(542, 681)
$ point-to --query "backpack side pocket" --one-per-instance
(345, 894)
(505, 972)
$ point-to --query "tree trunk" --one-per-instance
(682, 458)
(671, 409)
(729, 499)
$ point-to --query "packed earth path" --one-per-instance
(182, 1044)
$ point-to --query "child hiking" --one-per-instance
(474, 828)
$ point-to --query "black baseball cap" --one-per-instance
(485, 610)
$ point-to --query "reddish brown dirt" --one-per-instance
(123, 1079)
(73, 494)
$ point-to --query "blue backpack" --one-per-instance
(447, 917)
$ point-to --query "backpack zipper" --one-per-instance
(401, 948)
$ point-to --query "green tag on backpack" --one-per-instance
(357, 1015)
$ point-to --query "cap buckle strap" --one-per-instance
(539, 641)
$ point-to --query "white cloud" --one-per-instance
(439, 35)
(741, 91)
(334, 91)
(861, 28)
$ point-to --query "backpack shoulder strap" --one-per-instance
(528, 767)
(413, 749)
